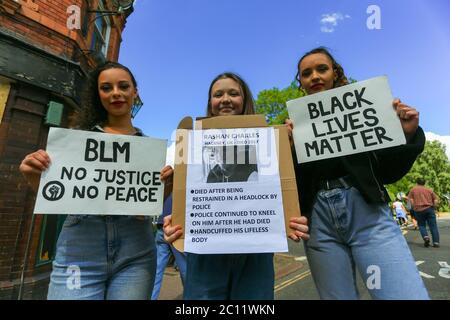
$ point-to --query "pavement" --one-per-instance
(171, 288)
(290, 268)
(433, 265)
(443, 214)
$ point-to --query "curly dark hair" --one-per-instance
(341, 78)
(92, 111)
(249, 107)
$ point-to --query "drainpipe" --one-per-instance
(25, 258)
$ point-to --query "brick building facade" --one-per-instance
(43, 65)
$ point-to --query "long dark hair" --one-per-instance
(341, 79)
(249, 107)
(92, 111)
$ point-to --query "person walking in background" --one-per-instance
(164, 250)
(400, 212)
(423, 201)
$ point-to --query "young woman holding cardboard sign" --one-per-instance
(101, 257)
(229, 276)
(346, 204)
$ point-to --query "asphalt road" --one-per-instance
(433, 265)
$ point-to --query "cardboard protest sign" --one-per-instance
(233, 192)
(351, 119)
(98, 173)
(238, 206)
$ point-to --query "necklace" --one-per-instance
(131, 132)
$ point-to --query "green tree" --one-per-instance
(432, 165)
(272, 102)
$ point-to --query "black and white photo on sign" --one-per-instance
(236, 163)
(97, 173)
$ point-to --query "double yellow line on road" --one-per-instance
(292, 280)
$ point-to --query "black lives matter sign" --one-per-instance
(346, 120)
(96, 173)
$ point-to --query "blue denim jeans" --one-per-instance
(164, 250)
(347, 233)
(229, 277)
(424, 217)
(99, 258)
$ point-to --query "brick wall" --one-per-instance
(41, 23)
(21, 132)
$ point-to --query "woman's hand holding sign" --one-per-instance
(299, 226)
(409, 118)
(171, 233)
(33, 165)
(166, 174)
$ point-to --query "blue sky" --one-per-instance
(176, 47)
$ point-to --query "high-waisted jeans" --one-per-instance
(111, 257)
(229, 277)
(347, 233)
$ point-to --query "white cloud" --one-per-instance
(330, 20)
(444, 139)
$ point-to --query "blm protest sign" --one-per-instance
(233, 193)
(351, 119)
(234, 185)
(98, 173)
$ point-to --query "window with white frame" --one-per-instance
(102, 30)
